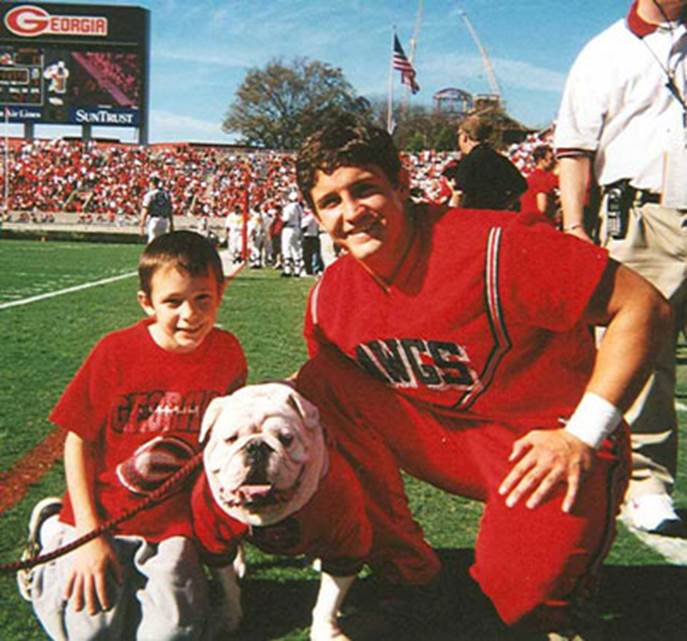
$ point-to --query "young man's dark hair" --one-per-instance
(540, 152)
(348, 141)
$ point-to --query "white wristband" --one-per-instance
(593, 420)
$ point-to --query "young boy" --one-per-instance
(455, 346)
(133, 413)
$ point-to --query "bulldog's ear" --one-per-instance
(307, 411)
(209, 418)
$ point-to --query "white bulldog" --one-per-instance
(263, 461)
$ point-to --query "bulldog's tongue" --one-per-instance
(254, 491)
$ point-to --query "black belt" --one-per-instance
(643, 197)
(638, 197)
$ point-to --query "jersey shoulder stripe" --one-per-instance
(313, 299)
(497, 324)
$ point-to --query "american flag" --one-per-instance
(402, 63)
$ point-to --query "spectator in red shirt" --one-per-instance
(542, 186)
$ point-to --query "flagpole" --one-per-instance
(7, 164)
(390, 92)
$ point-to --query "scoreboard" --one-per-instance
(21, 76)
(74, 64)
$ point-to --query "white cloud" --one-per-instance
(166, 126)
(527, 76)
(202, 57)
(456, 69)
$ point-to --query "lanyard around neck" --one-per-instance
(670, 84)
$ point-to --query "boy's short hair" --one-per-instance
(346, 141)
(184, 249)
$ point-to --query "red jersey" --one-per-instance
(130, 391)
(484, 316)
(332, 526)
(538, 182)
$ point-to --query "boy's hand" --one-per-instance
(543, 459)
(87, 584)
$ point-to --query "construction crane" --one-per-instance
(491, 76)
(411, 55)
(416, 31)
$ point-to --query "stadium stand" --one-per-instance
(105, 182)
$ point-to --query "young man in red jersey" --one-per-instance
(455, 345)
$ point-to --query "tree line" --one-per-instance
(281, 104)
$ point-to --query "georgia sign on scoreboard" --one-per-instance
(74, 64)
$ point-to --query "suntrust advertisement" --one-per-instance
(73, 64)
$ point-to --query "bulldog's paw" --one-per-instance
(239, 563)
(228, 612)
(327, 631)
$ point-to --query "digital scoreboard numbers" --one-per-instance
(21, 77)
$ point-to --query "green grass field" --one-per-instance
(43, 342)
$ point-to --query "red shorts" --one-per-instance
(524, 558)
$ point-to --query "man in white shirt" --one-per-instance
(292, 253)
(623, 119)
(312, 253)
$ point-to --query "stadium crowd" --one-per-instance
(105, 183)
(109, 180)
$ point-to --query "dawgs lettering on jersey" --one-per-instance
(411, 362)
(478, 296)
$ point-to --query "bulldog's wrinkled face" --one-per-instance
(265, 452)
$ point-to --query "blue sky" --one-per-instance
(201, 50)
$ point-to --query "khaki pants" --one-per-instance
(656, 248)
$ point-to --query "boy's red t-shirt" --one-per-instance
(130, 391)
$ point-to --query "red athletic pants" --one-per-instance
(524, 558)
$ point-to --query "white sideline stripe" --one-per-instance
(680, 407)
(68, 290)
